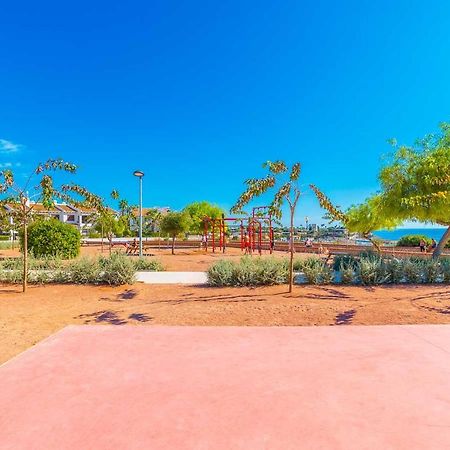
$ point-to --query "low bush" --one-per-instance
(372, 270)
(117, 269)
(317, 271)
(147, 264)
(48, 263)
(53, 238)
(347, 274)
(249, 272)
(342, 262)
(81, 271)
(412, 240)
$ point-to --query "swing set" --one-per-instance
(256, 232)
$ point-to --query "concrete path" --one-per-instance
(172, 277)
(134, 387)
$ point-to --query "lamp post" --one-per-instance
(140, 175)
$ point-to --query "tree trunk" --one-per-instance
(374, 243)
(25, 257)
(173, 245)
(441, 245)
(102, 238)
(291, 256)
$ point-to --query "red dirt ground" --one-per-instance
(43, 310)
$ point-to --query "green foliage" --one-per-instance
(110, 225)
(372, 271)
(117, 269)
(412, 270)
(82, 271)
(347, 273)
(53, 238)
(412, 240)
(316, 271)
(416, 183)
(248, 272)
(175, 224)
(147, 264)
(197, 211)
(345, 261)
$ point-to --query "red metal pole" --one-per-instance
(223, 235)
(260, 238)
(213, 237)
(242, 235)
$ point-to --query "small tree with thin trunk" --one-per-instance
(174, 224)
(285, 183)
(41, 183)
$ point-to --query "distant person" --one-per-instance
(204, 241)
(433, 245)
(247, 244)
(422, 246)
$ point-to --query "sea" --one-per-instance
(395, 235)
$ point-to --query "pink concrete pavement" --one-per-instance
(106, 387)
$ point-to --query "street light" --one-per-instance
(140, 175)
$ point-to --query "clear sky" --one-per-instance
(199, 94)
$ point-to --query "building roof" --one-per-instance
(161, 209)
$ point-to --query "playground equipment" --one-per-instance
(255, 232)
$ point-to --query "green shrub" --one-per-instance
(249, 272)
(221, 273)
(412, 270)
(342, 262)
(53, 238)
(431, 270)
(372, 270)
(317, 271)
(445, 269)
(82, 271)
(395, 270)
(49, 263)
(117, 269)
(347, 274)
(147, 264)
(412, 240)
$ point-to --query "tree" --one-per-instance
(416, 184)
(364, 218)
(285, 182)
(45, 192)
(198, 211)
(175, 224)
(106, 222)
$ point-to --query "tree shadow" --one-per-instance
(330, 294)
(216, 298)
(140, 317)
(109, 317)
(128, 294)
(345, 318)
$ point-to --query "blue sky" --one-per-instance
(199, 94)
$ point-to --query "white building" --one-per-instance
(82, 218)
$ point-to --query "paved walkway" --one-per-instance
(172, 277)
(130, 387)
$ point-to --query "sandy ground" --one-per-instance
(25, 319)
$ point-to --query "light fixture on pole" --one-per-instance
(140, 175)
